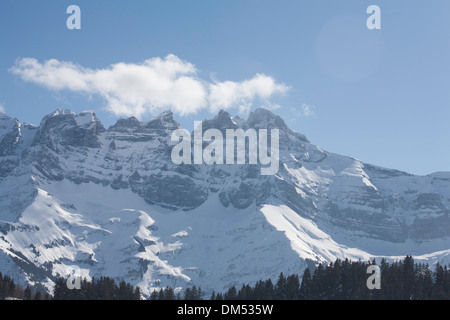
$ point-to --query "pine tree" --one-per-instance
(187, 294)
(245, 293)
(269, 290)
(154, 295)
(231, 294)
(317, 284)
(137, 293)
(346, 279)
(305, 287)
(259, 290)
(292, 287)
(2, 293)
(241, 295)
(123, 291)
(60, 290)
(161, 295)
(38, 296)
(196, 294)
(28, 294)
(249, 292)
(439, 287)
(199, 294)
(408, 278)
(280, 288)
(169, 294)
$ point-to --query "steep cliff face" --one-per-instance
(112, 202)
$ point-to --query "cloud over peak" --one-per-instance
(224, 95)
(149, 87)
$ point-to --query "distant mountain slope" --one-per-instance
(112, 202)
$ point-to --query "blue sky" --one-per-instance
(381, 96)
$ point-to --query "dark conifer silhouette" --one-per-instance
(340, 280)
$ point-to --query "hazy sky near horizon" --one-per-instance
(382, 96)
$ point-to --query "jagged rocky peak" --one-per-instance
(4, 116)
(223, 118)
(166, 116)
(13, 134)
(6, 122)
(65, 117)
(57, 114)
(221, 121)
(164, 121)
(263, 118)
(238, 121)
(65, 127)
(125, 125)
(7, 126)
(9, 136)
(87, 119)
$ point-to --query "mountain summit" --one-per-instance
(112, 203)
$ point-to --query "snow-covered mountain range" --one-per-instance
(111, 201)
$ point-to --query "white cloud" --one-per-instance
(305, 111)
(2, 109)
(129, 89)
(308, 111)
(271, 106)
(154, 85)
(224, 95)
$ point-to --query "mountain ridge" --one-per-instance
(110, 200)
